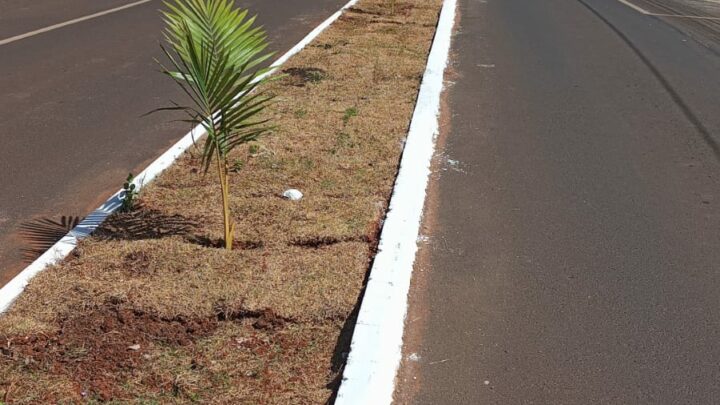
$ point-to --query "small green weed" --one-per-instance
(129, 194)
(301, 113)
(237, 165)
(349, 113)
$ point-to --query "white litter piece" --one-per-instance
(293, 194)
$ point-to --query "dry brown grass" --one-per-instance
(149, 311)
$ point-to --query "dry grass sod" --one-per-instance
(150, 310)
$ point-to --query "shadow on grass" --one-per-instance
(144, 224)
(344, 341)
(342, 345)
(219, 243)
(342, 348)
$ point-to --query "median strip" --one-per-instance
(150, 309)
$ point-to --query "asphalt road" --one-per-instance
(71, 102)
(574, 236)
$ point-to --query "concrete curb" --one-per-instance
(13, 289)
(376, 348)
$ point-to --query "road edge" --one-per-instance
(376, 347)
(61, 249)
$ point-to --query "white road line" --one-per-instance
(646, 12)
(634, 7)
(70, 22)
(691, 17)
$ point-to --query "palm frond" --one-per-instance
(216, 59)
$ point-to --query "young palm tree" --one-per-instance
(216, 54)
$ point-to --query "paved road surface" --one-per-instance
(574, 248)
(71, 102)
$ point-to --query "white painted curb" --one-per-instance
(376, 348)
(11, 290)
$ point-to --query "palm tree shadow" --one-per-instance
(41, 234)
(144, 224)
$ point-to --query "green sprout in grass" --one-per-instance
(128, 194)
(349, 113)
(216, 57)
(237, 165)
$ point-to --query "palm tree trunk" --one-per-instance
(225, 190)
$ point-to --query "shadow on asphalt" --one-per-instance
(41, 234)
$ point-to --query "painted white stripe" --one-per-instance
(70, 22)
(376, 348)
(646, 12)
(11, 290)
(634, 7)
(690, 17)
